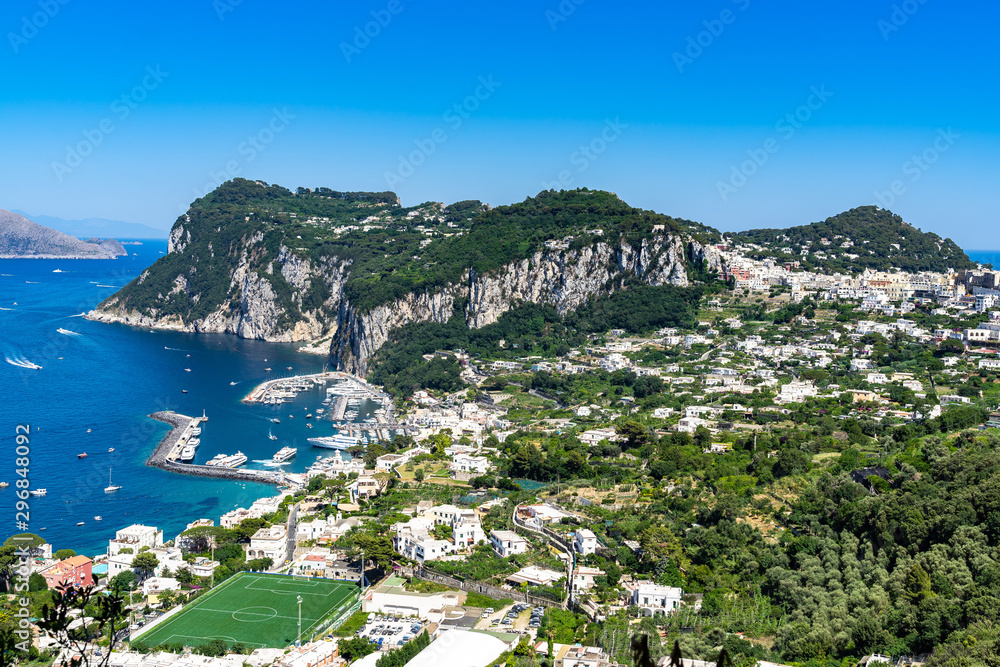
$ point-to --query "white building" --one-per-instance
(585, 541)
(654, 599)
(476, 465)
(507, 543)
(134, 538)
(270, 542)
(583, 578)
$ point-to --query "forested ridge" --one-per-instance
(877, 239)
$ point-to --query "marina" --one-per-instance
(345, 395)
(166, 456)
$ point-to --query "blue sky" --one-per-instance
(737, 114)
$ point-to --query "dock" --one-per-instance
(166, 453)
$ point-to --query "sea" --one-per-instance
(985, 256)
(78, 387)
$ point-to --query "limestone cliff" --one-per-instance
(346, 270)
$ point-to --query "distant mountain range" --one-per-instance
(99, 227)
(22, 238)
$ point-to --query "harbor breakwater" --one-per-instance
(162, 455)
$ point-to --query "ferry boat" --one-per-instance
(187, 453)
(335, 442)
(284, 454)
(111, 488)
(228, 461)
(38, 492)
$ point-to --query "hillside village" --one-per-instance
(555, 504)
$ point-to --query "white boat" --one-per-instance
(187, 453)
(111, 488)
(228, 461)
(284, 454)
(193, 442)
(98, 518)
(38, 492)
(335, 441)
(196, 430)
(232, 384)
(270, 435)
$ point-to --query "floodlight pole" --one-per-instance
(298, 641)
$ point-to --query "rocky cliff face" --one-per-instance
(565, 279)
(256, 311)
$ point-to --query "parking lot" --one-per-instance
(389, 632)
(519, 616)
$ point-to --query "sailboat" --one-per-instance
(111, 488)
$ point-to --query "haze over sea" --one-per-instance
(107, 378)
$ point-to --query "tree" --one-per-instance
(354, 648)
(123, 582)
(63, 554)
(100, 614)
(144, 565)
(36, 582)
(419, 474)
(184, 575)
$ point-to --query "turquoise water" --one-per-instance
(107, 378)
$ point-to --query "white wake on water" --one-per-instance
(21, 362)
(67, 332)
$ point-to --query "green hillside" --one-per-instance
(875, 238)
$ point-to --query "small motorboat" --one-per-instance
(111, 449)
(88, 430)
(79, 523)
(98, 518)
(267, 369)
(184, 391)
(188, 370)
(82, 456)
(232, 384)
(4, 485)
(275, 420)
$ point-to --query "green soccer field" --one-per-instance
(259, 610)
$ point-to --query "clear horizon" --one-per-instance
(734, 114)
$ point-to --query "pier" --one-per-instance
(165, 454)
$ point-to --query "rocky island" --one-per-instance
(21, 238)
